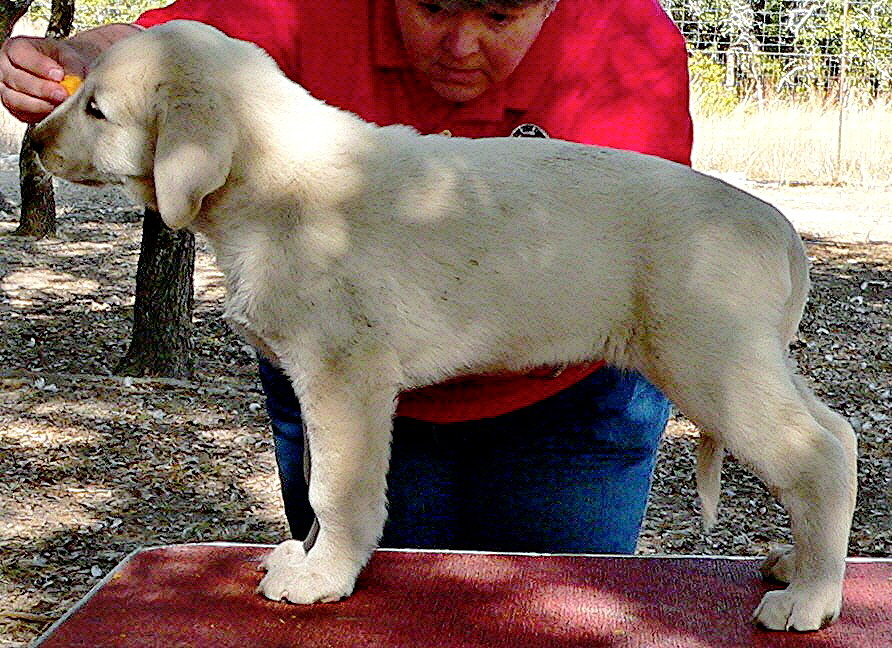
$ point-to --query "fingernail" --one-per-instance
(59, 95)
(56, 74)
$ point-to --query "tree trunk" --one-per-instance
(61, 19)
(10, 12)
(161, 343)
(38, 217)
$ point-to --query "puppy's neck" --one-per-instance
(313, 154)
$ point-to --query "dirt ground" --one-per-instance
(93, 466)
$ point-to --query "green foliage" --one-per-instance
(794, 47)
(91, 13)
(708, 91)
(869, 45)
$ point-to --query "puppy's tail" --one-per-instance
(710, 454)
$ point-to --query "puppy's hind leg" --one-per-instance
(780, 563)
(746, 396)
(833, 422)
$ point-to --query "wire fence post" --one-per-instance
(842, 89)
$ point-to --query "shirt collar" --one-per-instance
(516, 93)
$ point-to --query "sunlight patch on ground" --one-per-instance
(209, 282)
(78, 248)
(263, 488)
(59, 510)
(39, 436)
(18, 282)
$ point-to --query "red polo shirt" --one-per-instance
(605, 72)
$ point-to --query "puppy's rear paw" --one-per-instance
(801, 609)
(780, 565)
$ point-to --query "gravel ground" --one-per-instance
(95, 466)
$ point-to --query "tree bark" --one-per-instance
(161, 343)
(38, 217)
(10, 12)
(61, 19)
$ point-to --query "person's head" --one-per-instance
(464, 47)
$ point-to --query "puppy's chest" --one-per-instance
(269, 297)
(249, 302)
(237, 312)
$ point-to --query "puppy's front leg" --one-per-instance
(348, 416)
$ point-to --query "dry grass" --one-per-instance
(796, 142)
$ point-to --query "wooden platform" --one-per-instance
(202, 596)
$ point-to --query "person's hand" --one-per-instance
(30, 72)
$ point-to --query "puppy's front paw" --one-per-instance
(303, 583)
(780, 565)
(287, 553)
(801, 609)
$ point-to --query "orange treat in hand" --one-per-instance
(71, 83)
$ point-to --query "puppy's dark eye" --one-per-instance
(93, 109)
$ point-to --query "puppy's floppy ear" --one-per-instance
(193, 156)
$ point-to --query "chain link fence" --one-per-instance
(803, 88)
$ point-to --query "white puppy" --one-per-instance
(367, 260)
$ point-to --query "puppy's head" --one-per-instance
(154, 114)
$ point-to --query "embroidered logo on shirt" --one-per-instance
(529, 130)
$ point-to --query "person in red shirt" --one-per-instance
(559, 459)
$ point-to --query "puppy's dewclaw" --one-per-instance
(71, 82)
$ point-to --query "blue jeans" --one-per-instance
(570, 474)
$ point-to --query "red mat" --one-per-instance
(202, 596)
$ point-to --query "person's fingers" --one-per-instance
(25, 107)
(30, 71)
(26, 83)
(40, 57)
